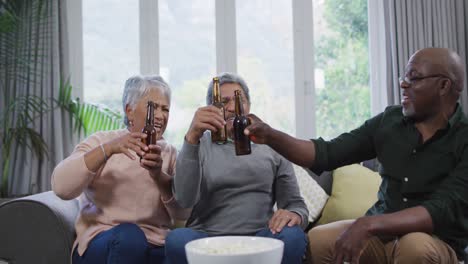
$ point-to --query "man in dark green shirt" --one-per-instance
(421, 215)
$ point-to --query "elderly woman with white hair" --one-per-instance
(126, 204)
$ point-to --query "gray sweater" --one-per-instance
(234, 194)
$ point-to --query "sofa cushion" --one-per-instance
(325, 180)
(314, 196)
(354, 191)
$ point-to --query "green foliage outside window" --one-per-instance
(344, 103)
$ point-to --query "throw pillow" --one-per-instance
(314, 196)
(354, 191)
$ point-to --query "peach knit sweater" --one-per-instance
(121, 191)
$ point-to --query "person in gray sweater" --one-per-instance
(234, 195)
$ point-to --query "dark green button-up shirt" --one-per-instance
(433, 174)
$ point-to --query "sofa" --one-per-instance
(37, 229)
(40, 228)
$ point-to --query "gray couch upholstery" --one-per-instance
(37, 229)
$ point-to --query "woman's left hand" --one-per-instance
(152, 161)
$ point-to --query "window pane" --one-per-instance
(265, 59)
(110, 49)
(187, 51)
(341, 71)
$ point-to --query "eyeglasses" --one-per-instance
(416, 79)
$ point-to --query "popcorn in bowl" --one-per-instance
(234, 249)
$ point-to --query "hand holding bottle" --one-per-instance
(258, 131)
(125, 143)
(205, 118)
(95, 158)
(152, 161)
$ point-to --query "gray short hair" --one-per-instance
(228, 77)
(138, 86)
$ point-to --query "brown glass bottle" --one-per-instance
(220, 136)
(149, 130)
(241, 141)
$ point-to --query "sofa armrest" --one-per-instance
(466, 255)
(37, 229)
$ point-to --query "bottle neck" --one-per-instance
(239, 109)
(216, 93)
(150, 114)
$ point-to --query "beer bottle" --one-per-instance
(241, 141)
(220, 136)
(149, 129)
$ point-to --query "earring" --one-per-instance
(130, 122)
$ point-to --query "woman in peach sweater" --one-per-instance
(126, 204)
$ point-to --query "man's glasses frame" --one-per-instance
(417, 79)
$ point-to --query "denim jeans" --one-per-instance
(123, 244)
(294, 240)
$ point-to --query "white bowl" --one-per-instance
(235, 250)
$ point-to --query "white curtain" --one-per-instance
(398, 28)
(27, 174)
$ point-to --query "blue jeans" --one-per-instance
(293, 237)
(122, 244)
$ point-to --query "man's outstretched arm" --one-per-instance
(298, 151)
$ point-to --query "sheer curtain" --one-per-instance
(398, 28)
(26, 173)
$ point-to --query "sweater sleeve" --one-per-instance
(188, 178)
(288, 196)
(71, 176)
(176, 211)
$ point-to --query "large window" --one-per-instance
(266, 38)
(187, 58)
(110, 49)
(265, 59)
(341, 71)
